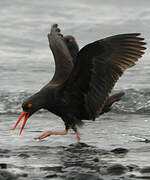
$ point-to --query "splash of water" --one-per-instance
(134, 101)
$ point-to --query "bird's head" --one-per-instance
(30, 106)
(72, 45)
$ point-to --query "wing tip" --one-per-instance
(133, 38)
(138, 36)
(130, 35)
(55, 29)
(54, 25)
(143, 47)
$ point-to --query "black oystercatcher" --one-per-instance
(72, 47)
(81, 91)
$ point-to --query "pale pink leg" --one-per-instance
(77, 135)
(48, 133)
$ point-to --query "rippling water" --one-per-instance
(26, 64)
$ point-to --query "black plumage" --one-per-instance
(84, 79)
(72, 46)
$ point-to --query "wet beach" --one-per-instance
(116, 150)
(114, 147)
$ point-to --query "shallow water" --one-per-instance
(26, 65)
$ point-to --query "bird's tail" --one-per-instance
(114, 98)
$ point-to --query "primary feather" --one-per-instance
(99, 65)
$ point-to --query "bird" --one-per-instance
(73, 48)
(83, 79)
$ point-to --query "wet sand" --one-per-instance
(111, 148)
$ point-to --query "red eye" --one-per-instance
(70, 40)
(29, 105)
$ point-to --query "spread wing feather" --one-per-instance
(62, 57)
(98, 67)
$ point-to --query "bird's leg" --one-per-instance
(77, 133)
(48, 133)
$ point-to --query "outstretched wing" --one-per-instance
(98, 67)
(62, 57)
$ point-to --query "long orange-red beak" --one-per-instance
(26, 114)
